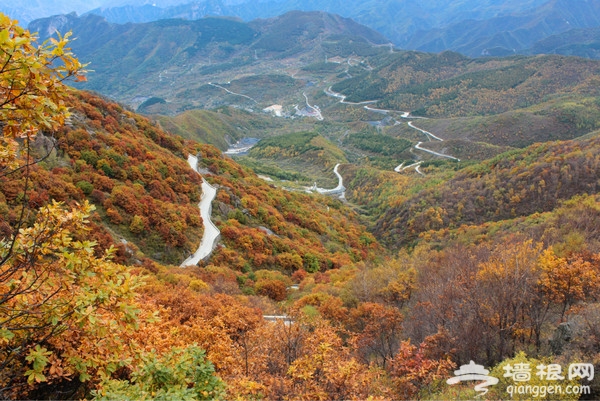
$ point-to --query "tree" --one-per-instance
(416, 371)
(568, 281)
(379, 329)
(181, 374)
(58, 301)
(507, 289)
(31, 87)
(64, 313)
(32, 97)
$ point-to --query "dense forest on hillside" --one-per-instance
(518, 183)
(452, 85)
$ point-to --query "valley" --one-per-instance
(292, 208)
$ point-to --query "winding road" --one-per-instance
(211, 232)
(316, 112)
(331, 93)
(405, 115)
(430, 136)
(416, 166)
(232, 93)
(340, 189)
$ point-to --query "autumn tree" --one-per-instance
(507, 287)
(63, 310)
(567, 281)
(486, 296)
(64, 313)
(31, 88)
(379, 329)
(416, 370)
(32, 96)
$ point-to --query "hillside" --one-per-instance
(516, 183)
(469, 235)
(221, 127)
(451, 85)
(510, 34)
(180, 60)
(135, 173)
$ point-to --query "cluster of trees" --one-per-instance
(515, 183)
(380, 144)
(286, 145)
(331, 346)
(303, 154)
(395, 328)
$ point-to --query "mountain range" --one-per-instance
(183, 60)
(473, 28)
(218, 80)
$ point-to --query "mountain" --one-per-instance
(181, 61)
(318, 76)
(510, 34)
(31, 10)
(575, 42)
(403, 214)
(25, 12)
(394, 19)
(473, 28)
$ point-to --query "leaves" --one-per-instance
(56, 291)
(569, 281)
(182, 373)
(31, 77)
(38, 358)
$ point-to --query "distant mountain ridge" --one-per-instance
(473, 28)
(395, 19)
(495, 28)
(513, 33)
(576, 42)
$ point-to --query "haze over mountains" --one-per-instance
(473, 28)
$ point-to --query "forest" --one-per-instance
(381, 296)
